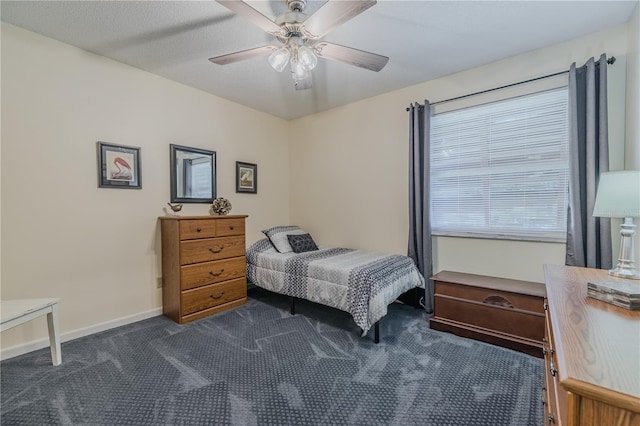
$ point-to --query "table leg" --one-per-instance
(54, 337)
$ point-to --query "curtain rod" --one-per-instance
(610, 61)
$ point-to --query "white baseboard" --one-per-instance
(24, 348)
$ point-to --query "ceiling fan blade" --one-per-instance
(242, 55)
(349, 55)
(332, 14)
(243, 9)
(304, 84)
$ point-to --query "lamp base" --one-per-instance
(625, 273)
(626, 267)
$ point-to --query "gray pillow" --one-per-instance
(301, 243)
(278, 237)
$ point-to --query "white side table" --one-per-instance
(18, 311)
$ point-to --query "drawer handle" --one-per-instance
(216, 297)
(216, 251)
(231, 227)
(216, 275)
(498, 301)
(198, 229)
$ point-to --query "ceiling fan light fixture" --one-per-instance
(300, 35)
(279, 58)
(298, 72)
(306, 58)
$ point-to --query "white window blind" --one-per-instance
(499, 170)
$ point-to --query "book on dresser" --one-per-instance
(203, 265)
(625, 294)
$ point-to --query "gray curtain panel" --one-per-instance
(588, 237)
(419, 201)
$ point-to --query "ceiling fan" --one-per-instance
(300, 36)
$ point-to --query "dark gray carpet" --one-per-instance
(259, 365)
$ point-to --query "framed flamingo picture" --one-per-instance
(118, 166)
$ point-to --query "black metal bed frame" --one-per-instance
(376, 326)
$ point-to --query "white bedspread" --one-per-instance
(359, 282)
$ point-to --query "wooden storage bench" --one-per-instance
(503, 312)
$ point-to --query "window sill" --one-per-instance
(530, 238)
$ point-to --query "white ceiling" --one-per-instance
(424, 40)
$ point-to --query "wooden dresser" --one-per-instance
(592, 353)
(203, 265)
(499, 311)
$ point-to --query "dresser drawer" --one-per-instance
(558, 395)
(206, 250)
(213, 295)
(550, 383)
(490, 296)
(212, 272)
(191, 229)
(226, 227)
(549, 400)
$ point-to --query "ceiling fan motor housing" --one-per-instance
(292, 25)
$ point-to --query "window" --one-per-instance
(500, 170)
(197, 175)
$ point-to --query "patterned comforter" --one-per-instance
(359, 282)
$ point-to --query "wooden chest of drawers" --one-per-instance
(203, 265)
(592, 353)
(499, 311)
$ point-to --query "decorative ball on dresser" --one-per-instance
(221, 206)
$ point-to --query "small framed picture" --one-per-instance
(118, 166)
(246, 177)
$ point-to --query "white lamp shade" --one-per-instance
(278, 59)
(618, 194)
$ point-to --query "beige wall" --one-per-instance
(349, 177)
(99, 249)
(632, 146)
(341, 174)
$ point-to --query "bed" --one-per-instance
(359, 282)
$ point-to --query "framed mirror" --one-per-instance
(193, 175)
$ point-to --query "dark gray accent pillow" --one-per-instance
(301, 243)
(278, 236)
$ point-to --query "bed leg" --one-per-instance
(293, 305)
(376, 332)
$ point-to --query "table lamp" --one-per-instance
(619, 196)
